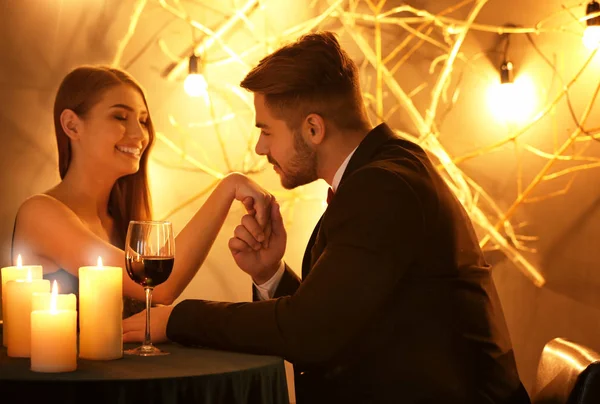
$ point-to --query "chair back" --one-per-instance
(568, 373)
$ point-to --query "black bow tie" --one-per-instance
(330, 195)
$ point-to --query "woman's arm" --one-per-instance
(48, 229)
(193, 243)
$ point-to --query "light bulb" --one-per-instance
(513, 102)
(195, 85)
(591, 37)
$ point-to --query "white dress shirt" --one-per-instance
(267, 289)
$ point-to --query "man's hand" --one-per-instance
(258, 261)
(134, 327)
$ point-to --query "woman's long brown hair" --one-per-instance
(79, 91)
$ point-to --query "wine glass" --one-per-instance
(149, 258)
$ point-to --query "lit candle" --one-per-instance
(19, 294)
(100, 312)
(12, 274)
(54, 335)
(42, 301)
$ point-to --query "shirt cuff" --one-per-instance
(267, 289)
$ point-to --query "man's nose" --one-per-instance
(261, 148)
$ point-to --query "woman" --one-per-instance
(104, 133)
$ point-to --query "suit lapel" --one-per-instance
(306, 259)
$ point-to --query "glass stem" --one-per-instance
(147, 340)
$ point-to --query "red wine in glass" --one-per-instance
(149, 271)
(149, 259)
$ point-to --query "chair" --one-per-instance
(568, 373)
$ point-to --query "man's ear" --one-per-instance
(314, 128)
(71, 124)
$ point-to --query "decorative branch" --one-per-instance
(443, 77)
(210, 40)
(184, 156)
(133, 22)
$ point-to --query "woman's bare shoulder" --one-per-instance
(43, 206)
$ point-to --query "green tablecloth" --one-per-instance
(188, 375)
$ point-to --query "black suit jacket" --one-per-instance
(396, 305)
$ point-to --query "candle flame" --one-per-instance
(19, 261)
(29, 279)
(53, 297)
(100, 262)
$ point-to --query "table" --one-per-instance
(188, 375)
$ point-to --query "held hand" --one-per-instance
(134, 327)
(257, 202)
(258, 261)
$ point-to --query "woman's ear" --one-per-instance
(71, 124)
(315, 128)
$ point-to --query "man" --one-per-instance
(396, 303)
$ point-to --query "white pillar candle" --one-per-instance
(100, 312)
(42, 301)
(13, 273)
(19, 294)
(54, 336)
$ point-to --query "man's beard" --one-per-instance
(301, 168)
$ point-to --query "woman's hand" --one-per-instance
(134, 327)
(257, 202)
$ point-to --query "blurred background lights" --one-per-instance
(195, 84)
(512, 100)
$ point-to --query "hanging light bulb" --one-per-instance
(195, 84)
(506, 73)
(512, 100)
(591, 35)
